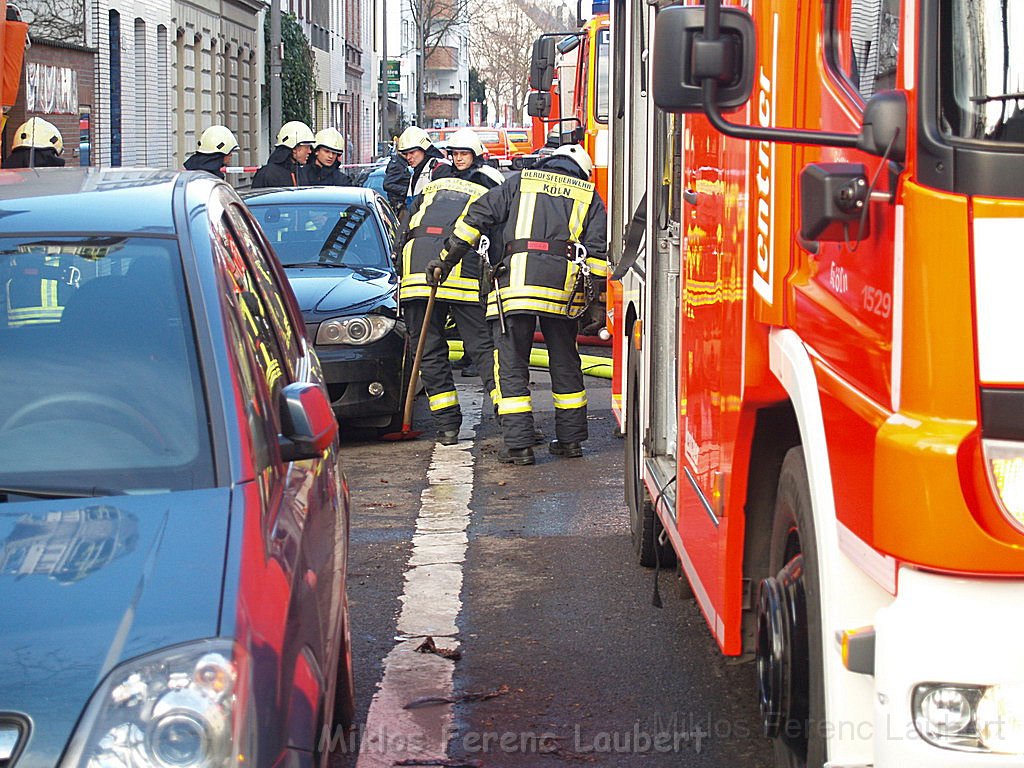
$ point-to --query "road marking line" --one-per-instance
(431, 603)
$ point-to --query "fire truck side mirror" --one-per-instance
(542, 64)
(683, 59)
(538, 104)
(884, 126)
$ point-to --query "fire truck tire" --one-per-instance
(789, 647)
(644, 526)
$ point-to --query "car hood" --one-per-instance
(88, 583)
(341, 290)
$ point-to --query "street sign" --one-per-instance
(393, 86)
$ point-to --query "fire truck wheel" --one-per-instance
(644, 526)
(789, 648)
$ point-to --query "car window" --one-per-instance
(259, 355)
(339, 235)
(268, 286)
(100, 384)
(387, 215)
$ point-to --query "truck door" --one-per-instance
(732, 211)
(844, 291)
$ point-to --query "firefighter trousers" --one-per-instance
(436, 368)
(513, 376)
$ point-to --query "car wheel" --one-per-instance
(789, 648)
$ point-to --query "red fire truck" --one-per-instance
(815, 214)
(569, 79)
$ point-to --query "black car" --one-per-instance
(173, 520)
(335, 245)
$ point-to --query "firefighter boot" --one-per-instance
(568, 450)
(520, 456)
(447, 436)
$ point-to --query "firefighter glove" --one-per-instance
(433, 266)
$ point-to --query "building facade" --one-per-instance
(136, 83)
(216, 72)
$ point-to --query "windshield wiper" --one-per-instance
(315, 264)
(56, 493)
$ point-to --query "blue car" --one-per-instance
(173, 520)
(335, 245)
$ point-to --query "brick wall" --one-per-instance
(77, 60)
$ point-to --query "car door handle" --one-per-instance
(690, 196)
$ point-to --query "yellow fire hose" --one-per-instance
(593, 365)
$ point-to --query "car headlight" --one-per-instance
(364, 329)
(170, 709)
(971, 718)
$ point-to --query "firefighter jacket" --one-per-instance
(396, 181)
(326, 175)
(433, 167)
(433, 216)
(46, 157)
(280, 171)
(37, 296)
(211, 162)
(542, 213)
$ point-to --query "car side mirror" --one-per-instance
(542, 64)
(538, 104)
(308, 426)
(683, 58)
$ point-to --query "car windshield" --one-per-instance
(333, 235)
(982, 83)
(100, 391)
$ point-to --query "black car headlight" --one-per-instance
(364, 329)
(170, 709)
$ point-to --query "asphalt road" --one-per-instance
(564, 659)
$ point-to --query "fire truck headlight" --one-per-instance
(971, 718)
(1005, 463)
(1000, 715)
(944, 714)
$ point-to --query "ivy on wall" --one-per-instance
(297, 73)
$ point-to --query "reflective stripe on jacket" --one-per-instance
(543, 206)
(33, 299)
(441, 203)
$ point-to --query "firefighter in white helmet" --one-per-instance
(427, 161)
(287, 164)
(36, 144)
(325, 167)
(213, 151)
(553, 223)
(431, 220)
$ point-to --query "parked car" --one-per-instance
(173, 520)
(335, 245)
(374, 177)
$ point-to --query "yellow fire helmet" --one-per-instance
(294, 133)
(217, 139)
(36, 132)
